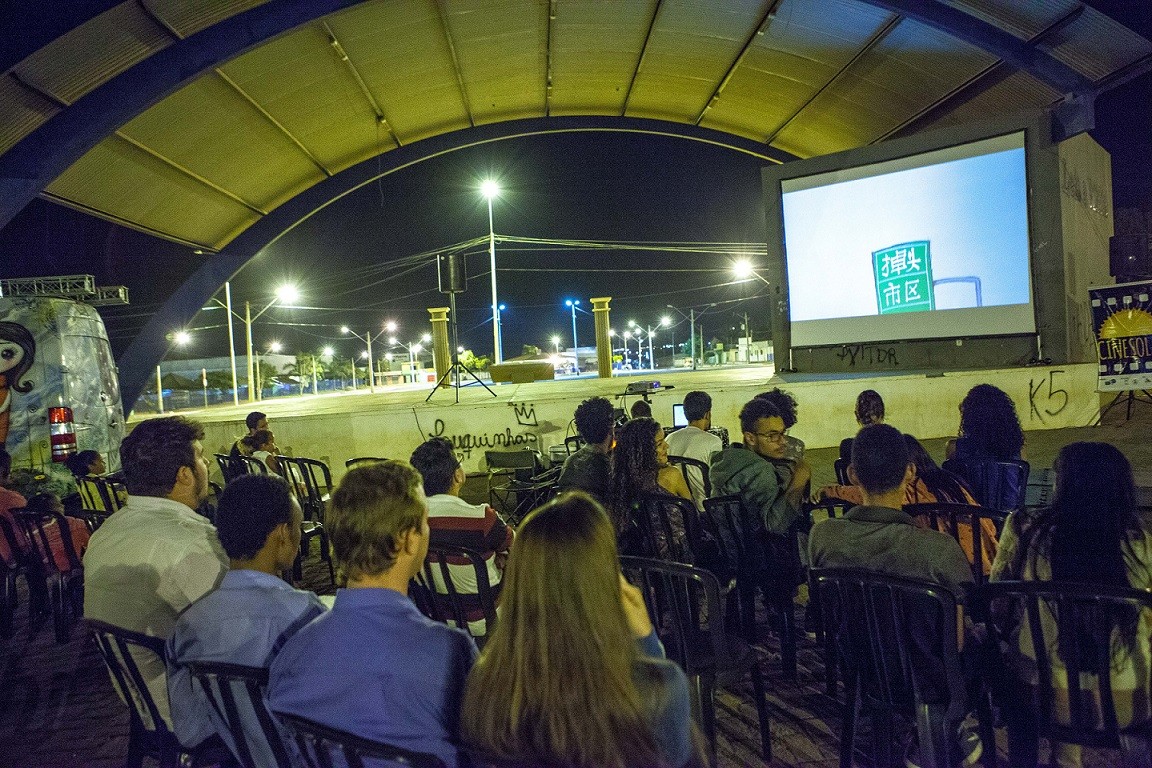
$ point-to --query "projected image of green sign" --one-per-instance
(903, 277)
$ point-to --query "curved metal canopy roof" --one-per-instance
(194, 121)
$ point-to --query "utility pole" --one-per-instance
(251, 371)
(692, 331)
(748, 336)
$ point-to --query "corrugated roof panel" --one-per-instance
(124, 182)
(91, 54)
(692, 46)
(803, 47)
(1096, 45)
(595, 47)
(24, 111)
(500, 47)
(906, 72)
(299, 79)
(1017, 93)
(189, 18)
(208, 129)
(1024, 20)
(401, 52)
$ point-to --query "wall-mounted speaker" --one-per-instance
(452, 271)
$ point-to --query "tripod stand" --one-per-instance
(1129, 398)
(457, 367)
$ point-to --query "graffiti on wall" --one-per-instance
(867, 354)
(1045, 398)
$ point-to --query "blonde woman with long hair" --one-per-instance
(573, 674)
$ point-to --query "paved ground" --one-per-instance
(58, 709)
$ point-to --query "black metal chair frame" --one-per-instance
(311, 482)
(694, 636)
(317, 744)
(231, 467)
(970, 515)
(840, 466)
(1072, 603)
(687, 463)
(986, 480)
(512, 476)
(868, 614)
(448, 606)
(661, 539)
(832, 508)
(11, 568)
(729, 512)
(573, 443)
(220, 683)
(65, 587)
(99, 493)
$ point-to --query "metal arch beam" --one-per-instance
(138, 362)
(41, 156)
(32, 24)
(1016, 52)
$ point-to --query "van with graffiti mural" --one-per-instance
(59, 390)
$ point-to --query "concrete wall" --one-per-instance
(345, 425)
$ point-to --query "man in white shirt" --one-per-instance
(156, 556)
(695, 441)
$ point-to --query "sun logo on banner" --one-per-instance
(1127, 322)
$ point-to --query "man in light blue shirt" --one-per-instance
(375, 666)
(252, 613)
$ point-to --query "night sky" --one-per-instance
(588, 186)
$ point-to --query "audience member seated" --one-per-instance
(989, 428)
(90, 464)
(454, 521)
(261, 446)
(590, 468)
(869, 410)
(641, 409)
(43, 503)
(86, 464)
(156, 556)
(1091, 534)
(640, 466)
(573, 674)
(254, 421)
(787, 405)
(695, 441)
(929, 484)
(373, 665)
(253, 612)
(878, 536)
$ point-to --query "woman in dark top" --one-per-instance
(573, 674)
(640, 466)
(989, 427)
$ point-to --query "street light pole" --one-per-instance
(231, 342)
(490, 190)
(248, 329)
(575, 343)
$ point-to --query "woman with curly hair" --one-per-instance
(640, 466)
(989, 427)
(573, 674)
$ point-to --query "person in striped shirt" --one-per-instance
(455, 521)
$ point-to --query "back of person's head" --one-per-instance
(79, 464)
(252, 420)
(555, 681)
(635, 465)
(946, 487)
(250, 508)
(371, 510)
(697, 405)
(758, 408)
(261, 438)
(988, 418)
(640, 410)
(436, 462)
(42, 503)
(152, 454)
(880, 458)
(869, 408)
(784, 402)
(594, 419)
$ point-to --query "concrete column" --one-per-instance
(441, 352)
(603, 340)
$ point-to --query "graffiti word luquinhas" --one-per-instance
(870, 355)
(467, 442)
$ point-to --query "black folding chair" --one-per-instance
(693, 469)
(573, 443)
(64, 581)
(149, 735)
(10, 568)
(998, 485)
(237, 695)
(840, 466)
(1078, 622)
(99, 493)
(440, 595)
(686, 609)
(896, 640)
(668, 527)
(962, 521)
(232, 467)
(512, 481)
(759, 566)
(311, 482)
(323, 747)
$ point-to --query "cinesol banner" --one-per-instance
(1122, 320)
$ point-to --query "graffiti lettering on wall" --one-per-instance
(467, 442)
(1044, 394)
(865, 354)
(525, 414)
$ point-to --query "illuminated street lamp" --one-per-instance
(368, 338)
(491, 189)
(743, 269)
(413, 350)
(556, 343)
(285, 294)
(575, 344)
